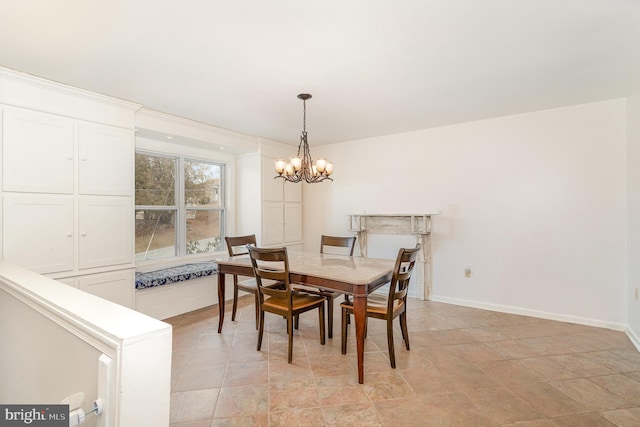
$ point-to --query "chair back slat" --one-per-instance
(405, 264)
(238, 245)
(271, 264)
(338, 242)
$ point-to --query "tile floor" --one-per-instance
(466, 367)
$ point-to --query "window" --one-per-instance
(179, 206)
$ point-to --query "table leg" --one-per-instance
(359, 314)
(221, 288)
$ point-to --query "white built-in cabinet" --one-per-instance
(67, 200)
(267, 207)
(281, 208)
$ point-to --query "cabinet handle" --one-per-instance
(69, 157)
(83, 234)
(84, 159)
(69, 235)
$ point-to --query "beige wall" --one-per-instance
(534, 203)
(633, 212)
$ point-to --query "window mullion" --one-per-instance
(182, 212)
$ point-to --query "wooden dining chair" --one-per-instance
(237, 246)
(273, 265)
(390, 306)
(329, 244)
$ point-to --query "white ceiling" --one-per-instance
(374, 67)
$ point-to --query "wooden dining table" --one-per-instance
(356, 276)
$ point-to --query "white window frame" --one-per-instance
(181, 209)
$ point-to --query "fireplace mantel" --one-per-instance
(418, 225)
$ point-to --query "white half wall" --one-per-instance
(58, 341)
(535, 204)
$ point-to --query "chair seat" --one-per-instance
(300, 301)
(376, 304)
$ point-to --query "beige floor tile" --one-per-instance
(502, 406)
(508, 372)
(442, 337)
(414, 359)
(313, 347)
(512, 349)
(340, 390)
(242, 401)
(429, 380)
(209, 357)
(249, 421)
(193, 405)
(621, 385)
(477, 352)
(485, 334)
(590, 394)
(547, 369)
(214, 342)
(620, 361)
(466, 367)
(206, 423)
(352, 414)
(332, 366)
(281, 371)
(548, 400)
(629, 417)
(534, 423)
(186, 341)
(582, 365)
(465, 376)
(194, 377)
(583, 420)
(247, 373)
(452, 409)
(293, 395)
(369, 345)
(308, 417)
(386, 385)
(406, 412)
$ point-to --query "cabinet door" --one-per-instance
(38, 232)
(38, 152)
(272, 189)
(272, 224)
(292, 222)
(292, 192)
(115, 286)
(106, 231)
(105, 160)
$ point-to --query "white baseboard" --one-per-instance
(537, 313)
(635, 340)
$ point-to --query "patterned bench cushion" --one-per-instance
(175, 274)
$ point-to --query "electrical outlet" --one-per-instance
(467, 273)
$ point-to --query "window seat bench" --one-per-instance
(176, 290)
(179, 273)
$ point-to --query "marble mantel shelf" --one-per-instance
(417, 224)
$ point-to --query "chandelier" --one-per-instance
(302, 167)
